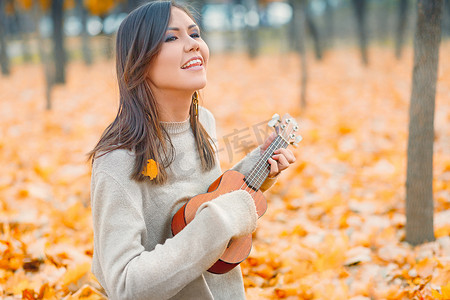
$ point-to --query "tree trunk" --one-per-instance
(312, 28)
(298, 27)
(85, 39)
(58, 41)
(381, 9)
(360, 7)
(48, 67)
(329, 25)
(401, 26)
(419, 180)
(21, 30)
(4, 60)
(252, 28)
(292, 28)
(447, 12)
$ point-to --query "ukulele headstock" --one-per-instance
(287, 128)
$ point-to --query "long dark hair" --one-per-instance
(137, 124)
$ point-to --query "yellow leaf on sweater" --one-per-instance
(151, 170)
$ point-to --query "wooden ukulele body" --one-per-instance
(238, 248)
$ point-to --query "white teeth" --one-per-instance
(195, 61)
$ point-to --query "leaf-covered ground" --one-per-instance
(334, 228)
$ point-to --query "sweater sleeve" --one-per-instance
(130, 271)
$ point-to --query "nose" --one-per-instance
(192, 45)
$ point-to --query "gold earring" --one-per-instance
(195, 102)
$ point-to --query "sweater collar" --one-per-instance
(177, 127)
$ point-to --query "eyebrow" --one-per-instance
(178, 29)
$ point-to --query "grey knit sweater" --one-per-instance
(135, 254)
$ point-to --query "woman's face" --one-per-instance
(181, 63)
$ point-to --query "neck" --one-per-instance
(261, 169)
(173, 105)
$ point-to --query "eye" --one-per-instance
(195, 35)
(170, 38)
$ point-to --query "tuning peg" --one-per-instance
(298, 139)
(274, 121)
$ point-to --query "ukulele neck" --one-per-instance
(261, 170)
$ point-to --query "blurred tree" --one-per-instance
(251, 30)
(360, 7)
(401, 26)
(447, 18)
(313, 30)
(419, 180)
(44, 53)
(102, 8)
(20, 12)
(297, 30)
(59, 53)
(4, 60)
(329, 24)
(381, 11)
(85, 40)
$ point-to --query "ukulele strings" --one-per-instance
(257, 169)
(260, 179)
(263, 166)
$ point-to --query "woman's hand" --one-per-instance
(281, 159)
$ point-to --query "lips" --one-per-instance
(193, 62)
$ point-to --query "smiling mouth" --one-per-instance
(192, 63)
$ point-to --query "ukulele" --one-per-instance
(239, 248)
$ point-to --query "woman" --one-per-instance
(161, 63)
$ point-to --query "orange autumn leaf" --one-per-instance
(45, 4)
(86, 292)
(151, 170)
(72, 277)
(99, 7)
(26, 4)
(47, 293)
(444, 294)
(28, 294)
(286, 292)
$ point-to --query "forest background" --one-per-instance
(368, 81)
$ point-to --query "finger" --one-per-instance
(287, 153)
(273, 167)
(282, 161)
